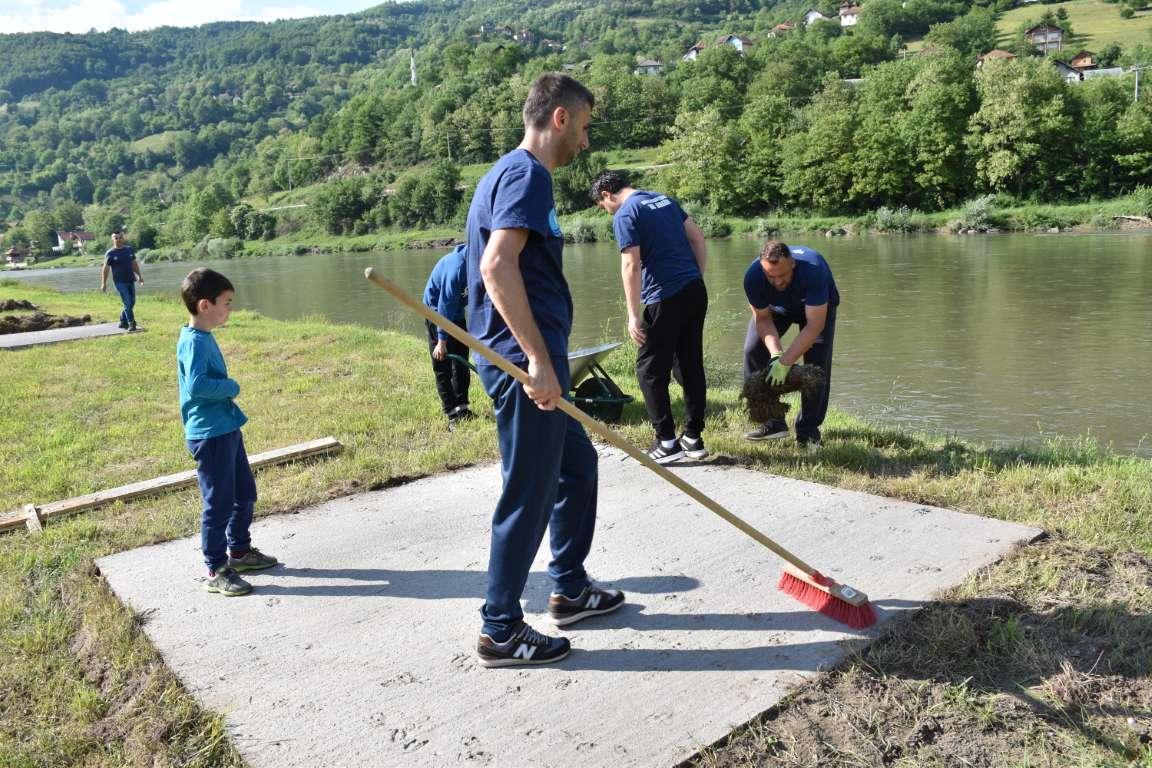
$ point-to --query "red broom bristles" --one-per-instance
(857, 617)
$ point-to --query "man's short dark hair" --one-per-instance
(551, 90)
(608, 181)
(203, 283)
(774, 250)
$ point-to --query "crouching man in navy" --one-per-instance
(790, 285)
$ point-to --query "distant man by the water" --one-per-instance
(662, 258)
(121, 261)
(520, 306)
(786, 286)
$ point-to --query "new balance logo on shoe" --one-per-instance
(593, 601)
(525, 646)
(525, 652)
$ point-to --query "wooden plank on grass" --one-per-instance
(10, 520)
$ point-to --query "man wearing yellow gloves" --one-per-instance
(790, 285)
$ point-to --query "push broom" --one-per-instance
(799, 580)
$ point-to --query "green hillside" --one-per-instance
(388, 116)
(1095, 23)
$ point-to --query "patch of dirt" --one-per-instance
(39, 321)
(1132, 223)
(11, 305)
(1052, 668)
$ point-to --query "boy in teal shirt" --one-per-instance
(212, 424)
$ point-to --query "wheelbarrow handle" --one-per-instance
(464, 360)
(587, 421)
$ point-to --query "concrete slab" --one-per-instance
(358, 652)
(36, 338)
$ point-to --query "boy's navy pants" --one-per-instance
(229, 493)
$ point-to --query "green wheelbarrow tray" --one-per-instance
(593, 390)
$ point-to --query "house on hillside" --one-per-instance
(1088, 74)
(76, 238)
(1070, 74)
(1045, 38)
(648, 67)
(812, 15)
(525, 37)
(1083, 61)
(849, 15)
(739, 42)
(996, 54)
(781, 29)
(693, 52)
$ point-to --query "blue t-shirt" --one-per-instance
(517, 194)
(120, 260)
(206, 392)
(447, 288)
(655, 222)
(812, 285)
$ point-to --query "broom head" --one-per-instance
(824, 595)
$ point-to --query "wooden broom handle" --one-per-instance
(590, 423)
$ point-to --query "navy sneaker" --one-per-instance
(809, 442)
(661, 455)
(593, 601)
(525, 646)
(769, 430)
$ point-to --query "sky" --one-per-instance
(134, 15)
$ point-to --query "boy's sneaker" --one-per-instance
(661, 455)
(122, 326)
(693, 447)
(769, 430)
(526, 646)
(133, 327)
(227, 582)
(593, 601)
(254, 560)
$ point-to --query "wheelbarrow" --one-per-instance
(593, 390)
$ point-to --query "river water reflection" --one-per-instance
(997, 338)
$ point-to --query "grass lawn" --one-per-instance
(1094, 22)
(1043, 659)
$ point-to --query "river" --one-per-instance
(1001, 338)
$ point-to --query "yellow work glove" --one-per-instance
(778, 372)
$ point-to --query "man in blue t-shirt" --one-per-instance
(121, 261)
(662, 258)
(519, 305)
(788, 285)
(447, 292)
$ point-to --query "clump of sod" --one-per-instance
(762, 398)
